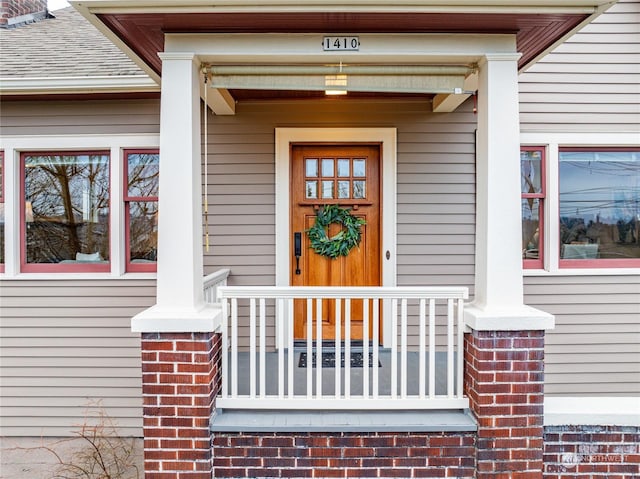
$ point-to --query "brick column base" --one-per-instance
(504, 380)
(180, 380)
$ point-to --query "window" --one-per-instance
(532, 187)
(2, 212)
(599, 207)
(141, 209)
(65, 212)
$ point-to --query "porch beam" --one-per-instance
(219, 100)
(448, 102)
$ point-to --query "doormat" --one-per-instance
(329, 360)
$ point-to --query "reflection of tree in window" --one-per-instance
(142, 205)
(600, 201)
(66, 207)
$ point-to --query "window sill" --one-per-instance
(75, 276)
(583, 272)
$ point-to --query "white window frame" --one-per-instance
(13, 146)
(553, 142)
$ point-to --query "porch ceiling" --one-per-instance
(143, 32)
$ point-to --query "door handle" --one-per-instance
(297, 249)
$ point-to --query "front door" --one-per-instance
(349, 176)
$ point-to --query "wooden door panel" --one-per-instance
(335, 170)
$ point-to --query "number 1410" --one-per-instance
(341, 43)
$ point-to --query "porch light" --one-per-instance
(333, 83)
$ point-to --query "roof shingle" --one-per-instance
(64, 46)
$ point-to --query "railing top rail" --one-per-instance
(286, 292)
(216, 277)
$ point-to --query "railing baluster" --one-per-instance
(403, 364)
(347, 348)
(280, 344)
(290, 353)
(338, 345)
(225, 350)
(365, 347)
(460, 355)
(422, 349)
(309, 347)
(252, 347)
(394, 348)
(450, 348)
(263, 348)
(234, 347)
(432, 348)
(376, 341)
(319, 348)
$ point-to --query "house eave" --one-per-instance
(94, 84)
(327, 6)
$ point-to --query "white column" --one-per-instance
(179, 299)
(498, 300)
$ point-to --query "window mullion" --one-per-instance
(117, 213)
(552, 209)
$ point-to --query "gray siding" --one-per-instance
(67, 343)
(592, 81)
(80, 118)
(594, 348)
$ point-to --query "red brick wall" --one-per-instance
(504, 380)
(610, 452)
(16, 8)
(344, 455)
(180, 380)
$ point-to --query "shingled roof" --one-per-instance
(64, 46)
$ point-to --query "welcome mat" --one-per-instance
(329, 360)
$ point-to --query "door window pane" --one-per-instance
(599, 204)
(327, 189)
(311, 167)
(311, 190)
(359, 189)
(359, 168)
(66, 210)
(327, 167)
(343, 167)
(343, 189)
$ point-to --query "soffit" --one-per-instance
(144, 33)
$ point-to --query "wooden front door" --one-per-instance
(347, 175)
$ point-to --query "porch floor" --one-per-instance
(328, 374)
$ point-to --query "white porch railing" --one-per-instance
(256, 375)
(211, 283)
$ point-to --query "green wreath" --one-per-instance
(341, 243)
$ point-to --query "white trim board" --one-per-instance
(387, 137)
(592, 411)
